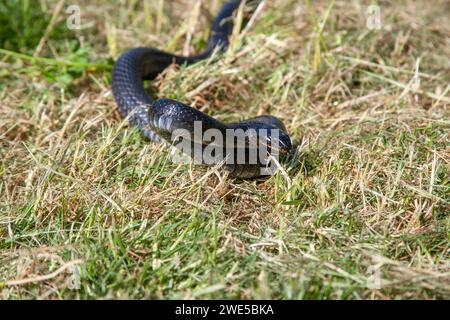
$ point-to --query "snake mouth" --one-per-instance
(283, 145)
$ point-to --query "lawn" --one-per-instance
(90, 209)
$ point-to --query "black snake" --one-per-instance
(159, 119)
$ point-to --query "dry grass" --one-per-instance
(367, 194)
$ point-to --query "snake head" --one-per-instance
(284, 143)
(266, 131)
(278, 143)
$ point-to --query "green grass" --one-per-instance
(368, 189)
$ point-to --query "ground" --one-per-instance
(91, 209)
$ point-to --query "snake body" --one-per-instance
(159, 119)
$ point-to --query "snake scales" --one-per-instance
(159, 119)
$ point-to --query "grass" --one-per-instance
(365, 201)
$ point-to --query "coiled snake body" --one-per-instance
(159, 119)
